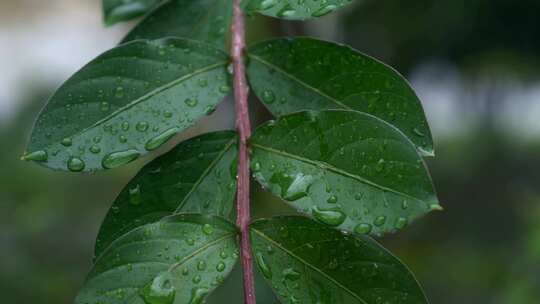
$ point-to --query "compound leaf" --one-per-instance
(177, 260)
(123, 10)
(290, 75)
(346, 169)
(294, 9)
(204, 20)
(198, 175)
(307, 262)
(127, 102)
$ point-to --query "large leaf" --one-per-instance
(306, 262)
(123, 10)
(177, 260)
(198, 175)
(347, 169)
(290, 75)
(127, 102)
(294, 9)
(204, 20)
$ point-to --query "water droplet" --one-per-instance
(203, 82)
(66, 142)
(142, 126)
(379, 221)
(379, 167)
(95, 149)
(291, 274)
(135, 197)
(363, 228)
(38, 156)
(329, 217)
(286, 12)
(198, 295)
(332, 199)
(159, 291)
(256, 167)
(104, 106)
(324, 10)
(125, 126)
(201, 265)
(418, 132)
(436, 207)
(159, 140)
(224, 89)
(401, 222)
(191, 102)
(75, 164)
(267, 4)
(119, 93)
(119, 158)
(404, 205)
(268, 96)
(220, 267)
(265, 269)
(196, 279)
(207, 229)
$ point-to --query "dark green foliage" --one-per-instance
(346, 149)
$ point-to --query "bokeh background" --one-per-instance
(474, 63)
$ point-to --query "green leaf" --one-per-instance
(204, 20)
(177, 260)
(127, 102)
(306, 262)
(124, 10)
(198, 175)
(347, 169)
(291, 75)
(294, 9)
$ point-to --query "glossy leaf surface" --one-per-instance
(295, 9)
(198, 175)
(203, 20)
(347, 169)
(177, 260)
(307, 262)
(290, 75)
(127, 102)
(123, 10)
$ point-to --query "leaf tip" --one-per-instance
(436, 207)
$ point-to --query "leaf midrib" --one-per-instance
(333, 169)
(146, 97)
(267, 238)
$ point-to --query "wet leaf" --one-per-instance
(204, 20)
(347, 169)
(290, 75)
(294, 9)
(127, 102)
(307, 262)
(123, 10)
(177, 260)
(198, 175)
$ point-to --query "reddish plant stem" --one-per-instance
(243, 125)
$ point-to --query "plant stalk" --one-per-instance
(243, 125)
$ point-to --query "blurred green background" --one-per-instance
(474, 64)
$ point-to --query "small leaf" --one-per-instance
(347, 169)
(127, 102)
(176, 260)
(294, 9)
(198, 175)
(306, 262)
(123, 10)
(291, 75)
(204, 20)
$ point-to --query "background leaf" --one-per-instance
(177, 260)
(123, 10)
(307, 262)
(291, 75)
(198, 175)
(204, 20)
(294, 9)
(128, 101)
(347, 169)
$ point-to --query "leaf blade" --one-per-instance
(129, 101)
(347, 169)
(294, 10)
(290, 75)
(197, 176)
(205, 20)
(308, 262)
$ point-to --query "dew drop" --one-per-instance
(135, 197)
(267, 4)
(220, 267)
(363, 228)
(75, 164)
(401, 222)
(159, 291)
(198, 295)
(324, 10)
(291, 274)
(268, 96)
(265, 269)
(379, 221)
(332, 199)
(67, 142)
(418, 132)
(201, 265)
(159, 140)
(38, 156)
(119, 158)
(224, 89)
(329, 217)
(95, 149)
(208, 229)
(142, 126)
(191, 102)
